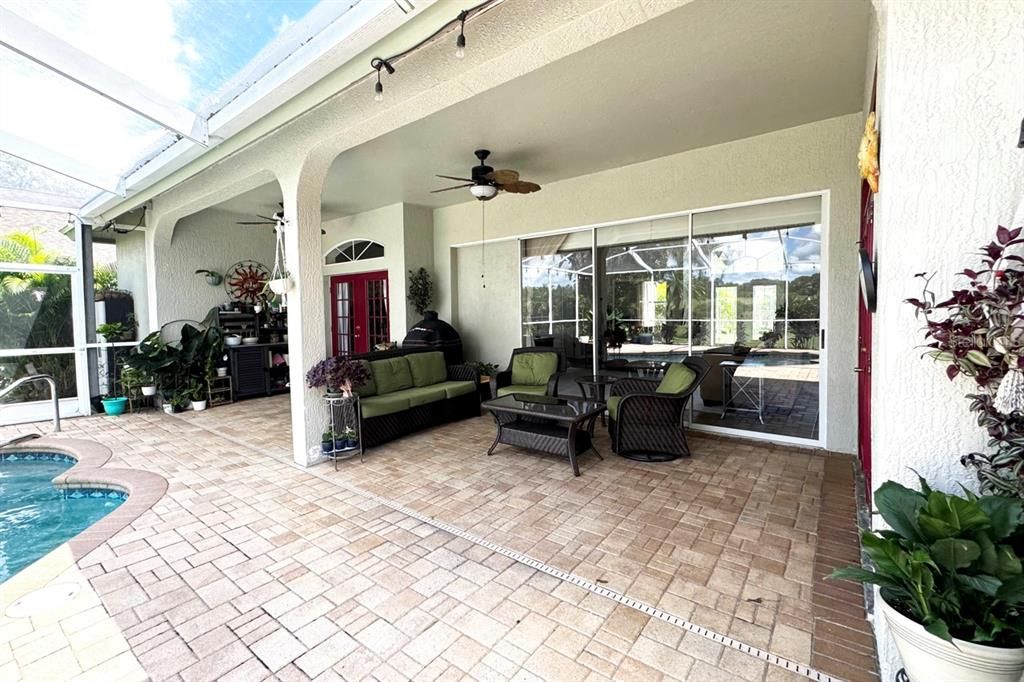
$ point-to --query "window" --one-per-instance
(354, 250)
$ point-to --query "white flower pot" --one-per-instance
(149, 390)
(927, 658)
(222, 371)
(280, 286)
(198, 405)
(168, 408)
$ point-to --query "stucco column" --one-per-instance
(950, 102)
(301, 186)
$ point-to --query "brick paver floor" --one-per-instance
(250, 567)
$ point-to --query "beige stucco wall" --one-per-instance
(812, 157)
(209, 240)
(406, 232)
(951, 96)
(131, 274)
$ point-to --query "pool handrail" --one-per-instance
(53, 394)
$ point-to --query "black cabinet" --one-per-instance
(253, 372)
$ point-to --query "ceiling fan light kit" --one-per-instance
(484, 182)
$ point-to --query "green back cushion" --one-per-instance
(533, 369)
(370, 387)
(391, 375)
(677, 379)
(427, 368)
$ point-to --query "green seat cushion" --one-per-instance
(421, 395)
(613, 405)
(457, 388)
(533, 369)
(370, 387)
(522, 388)
(391, 374)
(677, 379)
(427, 368)
(380, 405)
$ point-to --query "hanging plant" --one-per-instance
(421, 290)
(978, 332)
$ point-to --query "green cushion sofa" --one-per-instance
(410, 391)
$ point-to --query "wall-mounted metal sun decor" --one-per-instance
(245, 280)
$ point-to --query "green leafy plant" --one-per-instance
(327, 437)
(950, 563)
(421, 290)
(111, 331)
(486, 369)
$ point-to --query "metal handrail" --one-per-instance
(53, 394)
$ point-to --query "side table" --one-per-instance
(595, 388)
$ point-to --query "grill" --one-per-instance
(431, 333)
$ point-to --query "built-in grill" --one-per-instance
(434, 334)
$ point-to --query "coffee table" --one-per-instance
(559, 426)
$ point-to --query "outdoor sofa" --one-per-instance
(413, 390)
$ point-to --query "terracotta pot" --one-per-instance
(927, 658)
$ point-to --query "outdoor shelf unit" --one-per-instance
(220, 390)
(346, 412)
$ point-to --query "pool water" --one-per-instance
(36, 517)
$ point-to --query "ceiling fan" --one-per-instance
(276, 219)
(485, 182)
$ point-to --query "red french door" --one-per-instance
(867, 242)
(360, 313)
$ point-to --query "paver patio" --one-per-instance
(251, 567)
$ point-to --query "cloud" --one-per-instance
(283, 24)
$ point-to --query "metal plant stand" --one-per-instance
(346, 413)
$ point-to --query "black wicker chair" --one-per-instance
(648, 426)
(504, 379)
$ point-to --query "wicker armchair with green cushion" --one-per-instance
(646, 415)
(534, 369)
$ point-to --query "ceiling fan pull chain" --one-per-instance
(483, 246)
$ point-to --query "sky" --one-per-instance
(184, 49)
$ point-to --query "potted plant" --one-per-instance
(327, 442)
(212, 278)
(421, 290)
(486, 369)
(338, 375)
(951, 581)
(196, 392)
(348, 439)
(114, 405)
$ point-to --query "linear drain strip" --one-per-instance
(601, 590)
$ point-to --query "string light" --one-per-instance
(460, 42)
(379, 63)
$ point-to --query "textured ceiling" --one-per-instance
(706, 73)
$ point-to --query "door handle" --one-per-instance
(859, 369)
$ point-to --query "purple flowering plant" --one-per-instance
(338, 373)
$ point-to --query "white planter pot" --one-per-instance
(198, 405)
(168, 408)
(222, 371)
(930, 659)
(149, 390)
(280, 286)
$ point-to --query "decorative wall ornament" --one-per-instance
(246, 280)
(867, 157)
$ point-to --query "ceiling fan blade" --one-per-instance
(521, 187)
(446, 189)
(452, 177)
(257, 222)
(267, 217)
(503, 177)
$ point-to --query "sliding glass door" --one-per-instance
(739, 287)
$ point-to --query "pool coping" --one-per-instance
(143, 488)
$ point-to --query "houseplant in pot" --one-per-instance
(327, 442)
(197, 395)
(951, 581)
(338, 375)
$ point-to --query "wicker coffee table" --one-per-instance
(558, 426)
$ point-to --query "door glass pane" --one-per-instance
(343, 321)
(377, 312)
(557, 297)
(61, 366)
(759, 268)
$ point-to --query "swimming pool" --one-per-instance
(36, 517)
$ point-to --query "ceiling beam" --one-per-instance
(49, 51)
(26, 150)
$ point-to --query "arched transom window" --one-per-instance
(353, 250)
